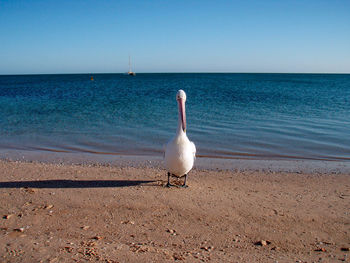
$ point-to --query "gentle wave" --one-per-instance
(154, 152)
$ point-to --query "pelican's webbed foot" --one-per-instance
(173, 185)
(169, 184)
(184, 185)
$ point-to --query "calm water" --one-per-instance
(273, 116)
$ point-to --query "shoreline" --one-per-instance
(203, 163)
(69, 212)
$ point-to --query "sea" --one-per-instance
(229, 116)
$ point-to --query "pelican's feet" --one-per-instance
(174, 185)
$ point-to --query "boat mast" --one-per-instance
(129, 64)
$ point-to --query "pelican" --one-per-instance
(180, 152)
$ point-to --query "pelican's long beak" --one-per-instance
(182, 113)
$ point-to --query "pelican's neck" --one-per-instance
(179, 130)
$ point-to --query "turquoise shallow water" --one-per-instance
(256, 116)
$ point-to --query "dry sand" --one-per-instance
(74, 213)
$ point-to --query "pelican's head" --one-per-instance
(181, 99)
(181, 95)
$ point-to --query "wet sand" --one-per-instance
(78, 213)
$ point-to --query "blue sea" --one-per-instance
(234, 116)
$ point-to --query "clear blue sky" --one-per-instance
(174, 36)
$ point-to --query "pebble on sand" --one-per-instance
(207, 248)
(262, 243)
(171, 231)
(30, 190)
(97, 237)
(128, 222)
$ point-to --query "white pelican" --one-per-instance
(180, 152)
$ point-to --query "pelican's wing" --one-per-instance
(193, 149)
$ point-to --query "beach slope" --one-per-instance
(67, 213)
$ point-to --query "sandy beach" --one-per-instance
(77, 213)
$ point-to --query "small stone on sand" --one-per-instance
(30, 190)
(207, 248)
(178, 257)
(171, 231)
(7, 216)
(262, 243)
(128, 222)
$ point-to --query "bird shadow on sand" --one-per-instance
(77, 183)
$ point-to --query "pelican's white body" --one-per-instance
(180, 152)
(179, 155)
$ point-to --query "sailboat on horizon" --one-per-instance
(130, 72)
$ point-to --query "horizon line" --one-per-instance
(175, 72)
